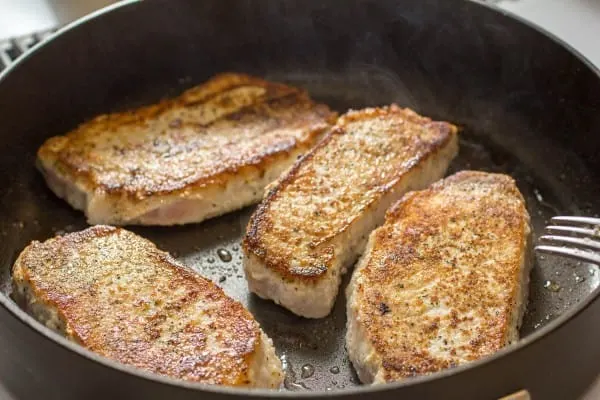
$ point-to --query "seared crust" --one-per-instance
(444, 279)
(118, 295)
(357, 163)
(233, 125)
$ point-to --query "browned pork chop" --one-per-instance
(207, 152)
(118, 295)
(315, 220)
(443, 281)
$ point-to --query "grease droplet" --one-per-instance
(307, 371)
(210, 260)
(224, 255)
(334, 370)
(552, 286)
(222, 279)
(579, 279)
(289, 381)
(235, 247)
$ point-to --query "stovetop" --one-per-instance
(13, 48)
(577, 22)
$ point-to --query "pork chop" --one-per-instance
(443, 282)
(315, 219)
(210, 151)
(116, 294)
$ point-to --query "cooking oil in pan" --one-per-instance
(307, 371)
(551, 286)
(291, 382)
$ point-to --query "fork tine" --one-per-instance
(585, 242)
(574, 229)
(576, 254)
(576, 220)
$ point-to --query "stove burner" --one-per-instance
(11, 49)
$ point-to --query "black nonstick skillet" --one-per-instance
(528, 106)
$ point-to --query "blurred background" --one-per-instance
(22, 17)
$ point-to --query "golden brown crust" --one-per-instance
(125, 299)
(361, 158)
(213, 131)
(440, 284)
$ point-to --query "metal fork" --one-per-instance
(582, 244)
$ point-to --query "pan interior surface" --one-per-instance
(313, 351)
(510, 123)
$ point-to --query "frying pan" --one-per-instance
(527, 105)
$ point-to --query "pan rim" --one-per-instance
(47, 334)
